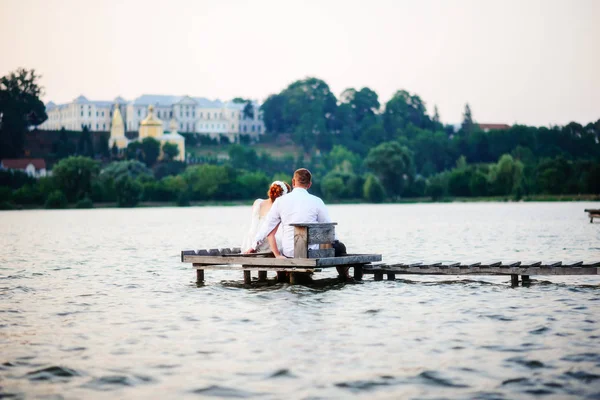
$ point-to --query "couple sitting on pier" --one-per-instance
(271, 218)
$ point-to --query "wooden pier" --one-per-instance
(514, 269)
(308, 261)
(592, 213)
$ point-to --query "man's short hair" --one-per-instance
(302, 176)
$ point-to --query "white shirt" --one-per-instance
(298, 207)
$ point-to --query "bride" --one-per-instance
(260, 209)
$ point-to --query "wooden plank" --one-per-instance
(262, 276)
(551, 264)
(491, 264)
(469, 265)
(321, 234)
(450, 265)
(272, 262)
(573, 264)
(247, 277)
(214, 252)
(254, 268)
(531, 264)
(236, 250)
(187, 252)
(373, 265)
(591, 264)
(321, 253)
(300, 242)
(261, 254)
(225, 250)
(349, 259)
(202, 252)
(511, 264)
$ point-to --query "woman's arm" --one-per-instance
(273, 243)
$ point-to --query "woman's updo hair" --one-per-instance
(277, 190)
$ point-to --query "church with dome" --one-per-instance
(152, 127)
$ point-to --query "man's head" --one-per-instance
(302, 178)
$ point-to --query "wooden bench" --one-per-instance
(306, 259)
(592, 213)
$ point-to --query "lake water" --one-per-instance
(96, 304)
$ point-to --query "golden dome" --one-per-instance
(151, 120)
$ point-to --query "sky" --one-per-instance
(534, 62)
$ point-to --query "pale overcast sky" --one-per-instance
(514, 61)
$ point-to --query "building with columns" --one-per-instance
(191, 114)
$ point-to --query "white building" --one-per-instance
(34, 167)
(192, 114)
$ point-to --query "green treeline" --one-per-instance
(357, 149)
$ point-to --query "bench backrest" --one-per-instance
(322, 233)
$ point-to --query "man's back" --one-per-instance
(296, 208)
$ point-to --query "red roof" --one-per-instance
(22, 163)
(494, 126)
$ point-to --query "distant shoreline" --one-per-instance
(413, 200)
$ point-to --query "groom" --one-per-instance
(298, 207)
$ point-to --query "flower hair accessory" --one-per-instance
(281, 185)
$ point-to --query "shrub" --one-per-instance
(373, 190)
(129, 192)
(56, 199)
(86, 202)
(183, 200)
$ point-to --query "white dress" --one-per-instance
(257, 222)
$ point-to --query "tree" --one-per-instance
(404, 109)
(253, 184)
(20, 108)
(506, 176)
(468, 124)
(306, 109)
(63, 147)
(170, 150)
(151, 149)
(129, 192)
(436, 115)
(57, 200)
(392, 163)
(332, 187)
(341, 159)
(242, 157)
(85, 146)
(134, 151)
(272, 110)
(207, 182)
(249, 110)
(74, 175)
(119, 169)
(373, 190)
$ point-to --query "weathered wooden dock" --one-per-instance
(514, 269)
(307, 261)
(592, 213)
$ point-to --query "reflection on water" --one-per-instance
(95, 303)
